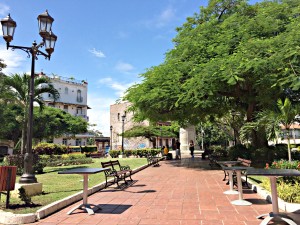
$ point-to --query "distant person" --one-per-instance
(177, 145)
(192, 148)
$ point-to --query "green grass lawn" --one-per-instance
(58, 186)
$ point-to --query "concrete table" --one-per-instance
(273, 174)
(238, 170)
(225, 164)
(85, 172)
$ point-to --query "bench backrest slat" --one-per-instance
(106, 164)
(245, 162)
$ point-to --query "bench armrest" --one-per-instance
(125, 167)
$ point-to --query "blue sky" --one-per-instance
(106, 42)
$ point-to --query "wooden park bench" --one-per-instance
(7, 181)
(247, 163)
(117, 172)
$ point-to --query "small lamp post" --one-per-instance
(48, 40)
(111, 128)
(123, 120)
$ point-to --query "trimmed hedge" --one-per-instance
(65, 159)
(49, 149)
(18, 161)
(138, 152)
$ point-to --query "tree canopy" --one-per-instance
(231, 55)
(59, 123)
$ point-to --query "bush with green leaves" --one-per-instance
(115, 153)
(287, 191)
(238, 150)
(18, 161)
(65, 159)
(89, 149)
(280, 151)
(262, 155)
(49, 149)
(218, 151)
(137, 152)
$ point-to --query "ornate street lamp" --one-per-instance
(48, 40)
(111, 128)
(123, 120)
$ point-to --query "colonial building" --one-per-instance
(121, 120)
(73, 100)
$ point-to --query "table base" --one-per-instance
(276, 217)
(86, 207)
(241, 202)
(231, 192)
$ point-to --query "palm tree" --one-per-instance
(287, 117)
(19, 85)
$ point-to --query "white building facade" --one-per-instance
(73, 100)
(118, 113)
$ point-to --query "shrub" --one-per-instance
(280, 152)
(65, 159)
(114, 153)
(49, 149)
(128, 153)
(18, 161)
(142, 152)
(238, 151)
(263, 155)
(285, 164)
(88, 149)
(288, 192)
(218, 151)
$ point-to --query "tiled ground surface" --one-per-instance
(184, 192)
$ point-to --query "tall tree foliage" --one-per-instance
(19, 85)
(231, 55)
(59, 123)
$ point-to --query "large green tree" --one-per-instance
(59, 123)
(231, 55)
(19, 85)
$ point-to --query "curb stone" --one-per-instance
(11, 218)
(285, 206)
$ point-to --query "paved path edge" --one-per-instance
(11, 218)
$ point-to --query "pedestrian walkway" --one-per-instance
(178, 192)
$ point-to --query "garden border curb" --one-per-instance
(11, 218)
(285, 206)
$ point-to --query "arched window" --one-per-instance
(66, 90)
(79, 97)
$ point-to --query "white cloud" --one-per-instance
(124, 67)
(4, 9)
(100, 112)
(97, 53)
(163, 19)
(13, 60)
(119, 88)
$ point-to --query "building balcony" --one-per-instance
(83, 116)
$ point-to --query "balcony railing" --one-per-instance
(83, 116)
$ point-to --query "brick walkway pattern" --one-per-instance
(178, 192)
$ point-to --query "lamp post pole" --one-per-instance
(123, 120)
(8, 27)
(111, 127)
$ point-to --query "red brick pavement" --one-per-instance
(178, 192)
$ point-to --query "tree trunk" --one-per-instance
(259, 138)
